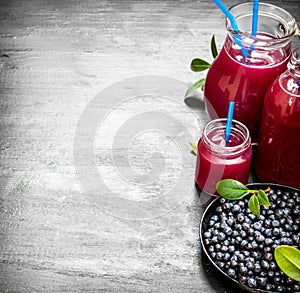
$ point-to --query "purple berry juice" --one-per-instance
(278, 155)
(217, 160)
(244, 80)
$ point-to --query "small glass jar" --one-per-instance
(245, 78)
(217, 160)
(278, 154)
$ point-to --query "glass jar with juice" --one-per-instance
(217, 160)
(278, 154)
(244, 75)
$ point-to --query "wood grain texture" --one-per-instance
(55, 58)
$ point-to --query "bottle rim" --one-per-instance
(237, 128)
(266, 10)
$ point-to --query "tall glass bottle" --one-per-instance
(247, 65)
(278, 155)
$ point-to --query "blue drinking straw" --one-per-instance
(229, 121)
(233, 24)
(254, 18)
(228, 14)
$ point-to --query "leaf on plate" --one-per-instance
(288, 260)
(194, 87)
(231, 189)
(199, 64)
(253, 205)
(262, 198)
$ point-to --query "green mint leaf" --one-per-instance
(262, 198)
(199, 64)
(198, 84)
(231, 189)
(253, 205)
(213, 47)
(194, 147)
(288, 260)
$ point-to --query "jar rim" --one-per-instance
(220, 124)
(267, 10)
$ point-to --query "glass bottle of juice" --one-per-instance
(278, 154)
(247, 65)
(217, 160)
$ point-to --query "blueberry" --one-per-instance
(234, 263)
(241, 257)
(276, 232)
(222, 200)
(226, 256)
(243, 270)
(231, 273)
(265, 264)
(251, 282)
(256, 254)
(240, 218)
(262, 282)
(211, 248)
(260, 238)
(206, 241)
(257, 268)
(218, 246)
(268, 256)
(220, 264)
(227, 230)
(246, 253)
(224, 248)
(221, 236)
(219, 256)
(213, 240)
(272, 265)
(242, 279)
(235, 233)
(231, 248)
(214, 218)
(254, 245)
(243, 234)
(207, 234)
(238, 239)
(249, 265)
(236, 208)
(267, 223)
(245, 226)
(296, 288)
(257, 226)
(230, 221)
(217, 226)
(219, 209)
(250, 231)
(268, 241)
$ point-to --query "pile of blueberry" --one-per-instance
(242, 244)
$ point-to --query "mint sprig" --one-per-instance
(199, 65)
(233, 190)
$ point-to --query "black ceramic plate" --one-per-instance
(211, 210)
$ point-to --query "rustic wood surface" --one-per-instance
(96, 174)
